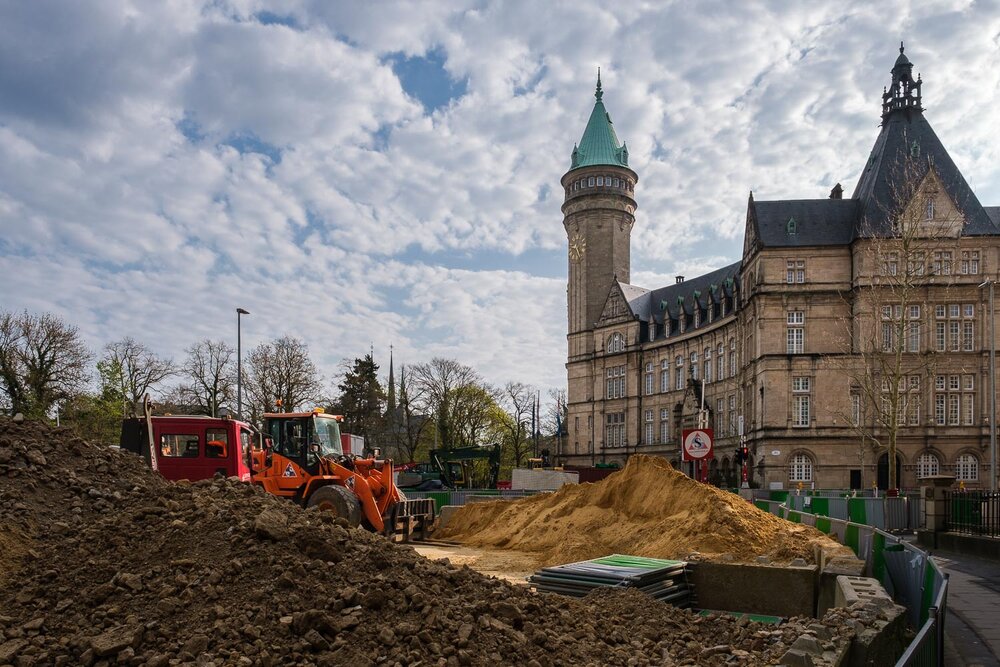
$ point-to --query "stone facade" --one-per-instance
(797, 345)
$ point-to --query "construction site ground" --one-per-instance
(106, 563)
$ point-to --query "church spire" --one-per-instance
(599, 94)
(392, 386)
(904, 93)
(599, 144)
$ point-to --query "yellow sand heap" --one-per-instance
(647, 509)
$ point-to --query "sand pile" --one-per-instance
(647, 509)
(115, 566)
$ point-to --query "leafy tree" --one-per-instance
(280, 370)
(42, 361)
(210, 371)
(362, 400)
(97, 416)
(139, 369)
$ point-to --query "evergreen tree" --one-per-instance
(362, 400)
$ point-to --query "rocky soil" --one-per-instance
(105, 563)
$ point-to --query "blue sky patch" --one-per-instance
(250, 143)
(425, 78)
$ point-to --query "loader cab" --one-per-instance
(304, 437)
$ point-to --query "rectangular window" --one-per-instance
(708, 364)
(856, 409)
(888, 334)
(795, 271)
(694, 365)
(665, 375)
(939, 409)
(970, 262)
(649, 378)
(720, 416)
(940, 339)
(615, 430)
(721, 355)
(616, 382)
(953, 335)
(732, 415)
(915, 266)
(648, 431)
(800, 410)
(800, 384)
(175, 445)
(679, 373)
(890, 264)
(953, 402)
(953, 383)
(968, 382)
(216, 443)
(967, 410)
(795, 335)
(913, 337)
(939, 311)
(968, 337)
(664, 425)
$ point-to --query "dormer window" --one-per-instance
(652, 330)
(616, 183)
(790, 227)
(600, 180)
(590, 182)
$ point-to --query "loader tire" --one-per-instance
(342, 502)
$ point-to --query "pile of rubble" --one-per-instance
(115, 566)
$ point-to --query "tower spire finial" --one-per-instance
(599, 93)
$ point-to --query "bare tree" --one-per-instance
(280, 374)
(891, 350)
(139, 369)
(42, 361)
(406, 426)
(435, 386)
(518, 402)
(211, 376)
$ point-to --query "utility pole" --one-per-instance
(240, 312)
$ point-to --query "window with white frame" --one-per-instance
(616, 343)
(732, 415)
(917, 264)
(652, 329)
(648, 430)
(927, 465)
(679, 372)
(615, 431)
(796, 331)
(967, 468)
(970, 262)
(616, 382)
(941, 263)
(795, 271)
(800, 401)
(708, 364)
(890, 264)
(800, 469)
(856, 409)
(913, 329)
(694, 366)
(929, 209)
(721, 356)
(665, 375)
(732, 357)
(720, 416)
(664, 425)
(649, 378)
(954, 400)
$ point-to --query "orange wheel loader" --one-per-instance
(302, 459)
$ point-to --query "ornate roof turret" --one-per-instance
(599, 144)
(904, 92)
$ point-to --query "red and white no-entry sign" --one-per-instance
(697, 444)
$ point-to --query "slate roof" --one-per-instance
(994, 213)
(804, 222)
(599, 144)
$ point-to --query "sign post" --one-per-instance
(697, 448)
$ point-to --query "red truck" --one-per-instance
(192, 447)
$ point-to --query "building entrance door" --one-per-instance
(883, 471)
(855, 479)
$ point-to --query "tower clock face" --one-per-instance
(577, 246)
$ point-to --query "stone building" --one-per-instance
(796, 350)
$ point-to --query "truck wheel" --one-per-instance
(340, 501)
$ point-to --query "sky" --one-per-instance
(370, 174)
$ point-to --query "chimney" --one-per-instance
(837, 192)
(680, 279)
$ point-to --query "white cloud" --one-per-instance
(115, 218)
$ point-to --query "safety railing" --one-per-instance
(461, 497)
(901, 513)
(973, 512)
(907, 573)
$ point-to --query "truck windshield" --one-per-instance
(328, 436)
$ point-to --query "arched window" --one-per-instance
(967, 468)
(800, 469)
(616, 343)
(927, 465)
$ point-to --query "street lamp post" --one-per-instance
(240, 312)
(993, 391)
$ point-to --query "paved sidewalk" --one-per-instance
(973, 623)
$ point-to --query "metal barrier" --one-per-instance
(908, 574)
(901, 513)
(973, 512)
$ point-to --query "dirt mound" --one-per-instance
(125, 568)
(647, 509)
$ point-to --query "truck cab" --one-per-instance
(192, 447)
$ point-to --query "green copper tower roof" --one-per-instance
(599, 145)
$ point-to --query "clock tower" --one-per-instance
(598, 214)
